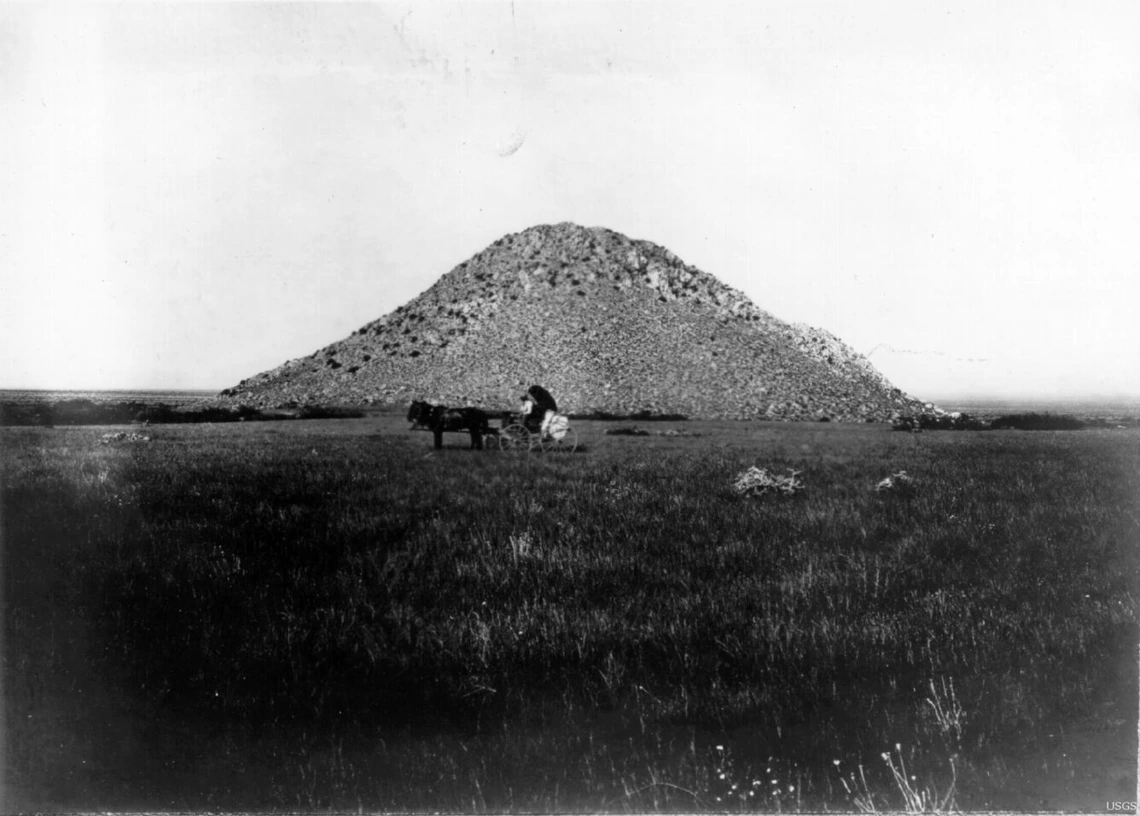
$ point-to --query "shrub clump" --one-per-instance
(639, 416)
(1037, 422)
(328, 412)
(634, 431)
(165, 414)
(938, 422)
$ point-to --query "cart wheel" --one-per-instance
(514, 438)
(567, 444)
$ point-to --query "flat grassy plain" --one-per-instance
(328, 614)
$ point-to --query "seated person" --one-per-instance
(537, 402)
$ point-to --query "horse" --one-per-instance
(440, 418)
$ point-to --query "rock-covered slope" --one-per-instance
(606, 323)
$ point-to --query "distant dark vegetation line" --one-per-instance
(640, 416)
(1017, 422)
(88, 412)
(1038, 422)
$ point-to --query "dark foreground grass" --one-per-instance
(330, 615)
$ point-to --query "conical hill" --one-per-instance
(606, 323)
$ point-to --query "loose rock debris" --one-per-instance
(123, 436)
(758, 481)
(895, 481)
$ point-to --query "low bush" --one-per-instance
(166, 414)
(328, 412)
(938, 422)
(1037, 422)
(639, 416)
(12, 414)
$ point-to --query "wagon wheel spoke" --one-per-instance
(514, 437)
(566, 443)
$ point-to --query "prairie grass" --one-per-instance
(329, 614)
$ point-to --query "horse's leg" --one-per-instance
(438, 438)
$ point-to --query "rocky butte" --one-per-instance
(606, 323)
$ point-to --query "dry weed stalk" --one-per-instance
(925, 800)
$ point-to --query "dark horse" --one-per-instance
(440, 418)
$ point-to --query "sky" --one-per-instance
(195, 193)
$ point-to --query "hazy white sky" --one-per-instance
(193, 193)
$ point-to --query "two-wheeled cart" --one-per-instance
(554, 435)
